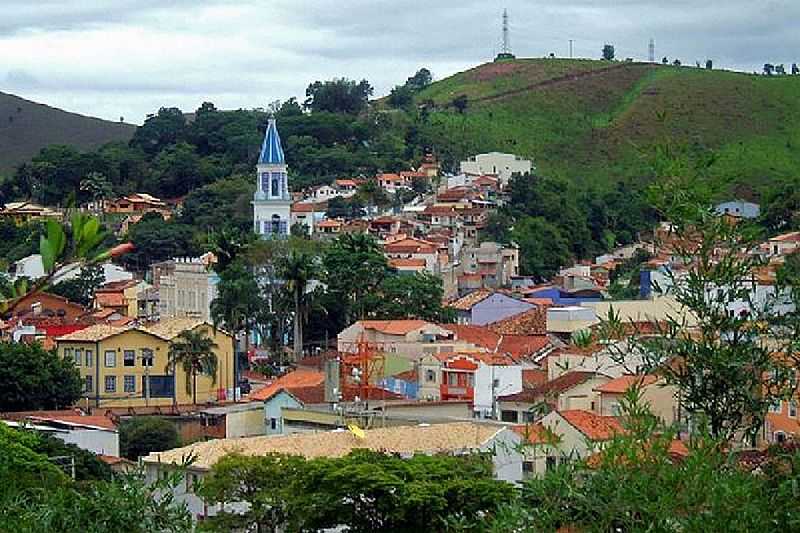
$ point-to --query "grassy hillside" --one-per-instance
(599, 121)
(26, 127)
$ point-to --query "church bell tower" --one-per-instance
(271, 202)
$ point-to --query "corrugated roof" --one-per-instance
(428, 439)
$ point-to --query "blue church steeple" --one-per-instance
(271, 149)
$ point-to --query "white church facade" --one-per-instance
(271, 201)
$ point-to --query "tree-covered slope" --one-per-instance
(26, 127)
(599, 121)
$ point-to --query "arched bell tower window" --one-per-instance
(275, 183)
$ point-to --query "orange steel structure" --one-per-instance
(368, 361)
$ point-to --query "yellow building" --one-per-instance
(117, 363)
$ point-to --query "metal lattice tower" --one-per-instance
(506, 41)
(652, 51)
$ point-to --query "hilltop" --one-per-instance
(598, 121)
(26, 127)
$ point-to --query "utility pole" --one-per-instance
(506, 42)
(570, 47)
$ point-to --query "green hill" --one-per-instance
(598, 121)
(26, 127)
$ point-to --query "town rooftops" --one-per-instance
(530, 322)
(621, 384)
(793, 236)
(403, 262)
(95, 333)
(410, 245)
(554, 387)
(77, 420)
(405, 440)
(170, 328)
(593, 426)
(515, 345)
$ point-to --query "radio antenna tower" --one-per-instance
(652, 51)
(505, 51)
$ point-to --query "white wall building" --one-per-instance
(186, 288)
(497, 164)
(492, 381)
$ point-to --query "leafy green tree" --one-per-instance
(87, 465)
(354, 267)
(140, 435)
(543, 248)
(156, 240)
(194, 352)
(401, 96)
(417, 295)
(709, 64)
(222, 204)
(608, 52)
(421, 79)
(33, 378)
(22, 468)
(81, 288)
(238, 301)
(346, 208)
(267, 483)
(339, 95)
(165, 128)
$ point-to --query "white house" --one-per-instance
(497, 164)
(492, 381)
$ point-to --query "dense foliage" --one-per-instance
(384, 492)
(34, 378)
(36, 495)
(139, 436)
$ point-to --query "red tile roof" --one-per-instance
(393, 327)
(515, 345)
(621, 384)
(407, 262)
(532, 434)
(299, 378)
(551, 388)
(593, 426)
(533, 377)
(466, 303)
(530, 322)
(410, 245)
(410, 376)
(109, 299)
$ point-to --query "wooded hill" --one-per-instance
(26, 127)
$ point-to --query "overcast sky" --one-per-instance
(113, 58)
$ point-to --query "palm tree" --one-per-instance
(194, 351)
(297, 269)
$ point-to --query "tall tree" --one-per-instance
(608, 52)
(297, 269)
(194, 352)
(97, 188)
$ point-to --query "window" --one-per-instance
(452, 379)
(78, 356)
(775, 407)
(275, 185)
(88, 384)
(129, 358)
(265, 181)
(430, 376)
(509, 416)
(527, 467)
(528, 416)
(67, 353)
(89, 358)
(129, 384)
(111, 383)
(147, 357)
(273, 423)
(111, 358)
(793, 409)
(615, 409)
